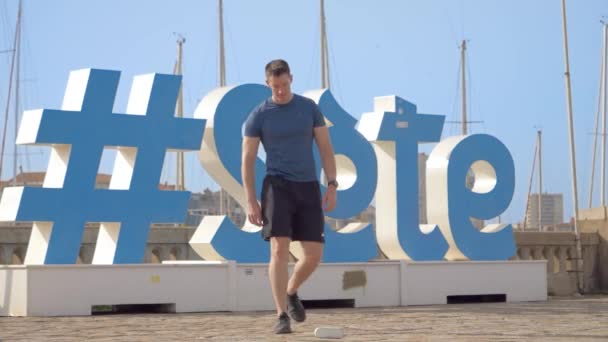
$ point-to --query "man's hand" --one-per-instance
(329, 200)
(254, 213)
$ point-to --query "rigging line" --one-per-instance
(170, 160)
(206, 84)
(194, 173)
(597, 123)
(189, 105)
(29, 95)
(234, 57)
(456, 97)
(5, 37)
(164, 174)
(28, 164)
(12, 154)
(336, 79)
(313, 50)
(470, 92)
(530, 188)
(205, 65)
(32, 79)
(218, 61)
(452, 26)
(462, 11)
(5, 25)
(452, 114)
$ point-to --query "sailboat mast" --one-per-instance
(222, 80)
(603, 96)
(540, 180)
(578, 262)
(10, 86)
(17, 83)
(463, 80)
(179, 112)
(222, 56)
(325, 82)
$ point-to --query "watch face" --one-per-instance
(332, 182)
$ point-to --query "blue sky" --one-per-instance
(386, 47)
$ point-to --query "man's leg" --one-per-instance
(303, 269)
(305, 266)
(278, 272)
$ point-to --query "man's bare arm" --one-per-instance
(329, 164)
(250, 152)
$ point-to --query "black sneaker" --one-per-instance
(295, 308)
(283, 325)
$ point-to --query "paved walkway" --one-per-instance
(559, 319)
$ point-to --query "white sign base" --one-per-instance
(202, 286)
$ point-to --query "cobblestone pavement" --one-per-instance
(563, 319)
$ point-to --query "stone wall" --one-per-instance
(559, 249)
(595, 221)
(164, 243)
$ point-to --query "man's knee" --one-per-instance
(313, 258)
(313, 253)
(279, 249)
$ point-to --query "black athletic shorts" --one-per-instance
(292, 209)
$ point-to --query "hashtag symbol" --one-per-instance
(78, 134)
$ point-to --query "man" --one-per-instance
(292, 208)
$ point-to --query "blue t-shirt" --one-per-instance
(286, 132)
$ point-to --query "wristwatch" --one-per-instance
(332, 182)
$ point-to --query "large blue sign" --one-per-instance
(377, 157)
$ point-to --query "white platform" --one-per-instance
(65, 290)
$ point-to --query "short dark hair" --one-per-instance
(277, 67)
